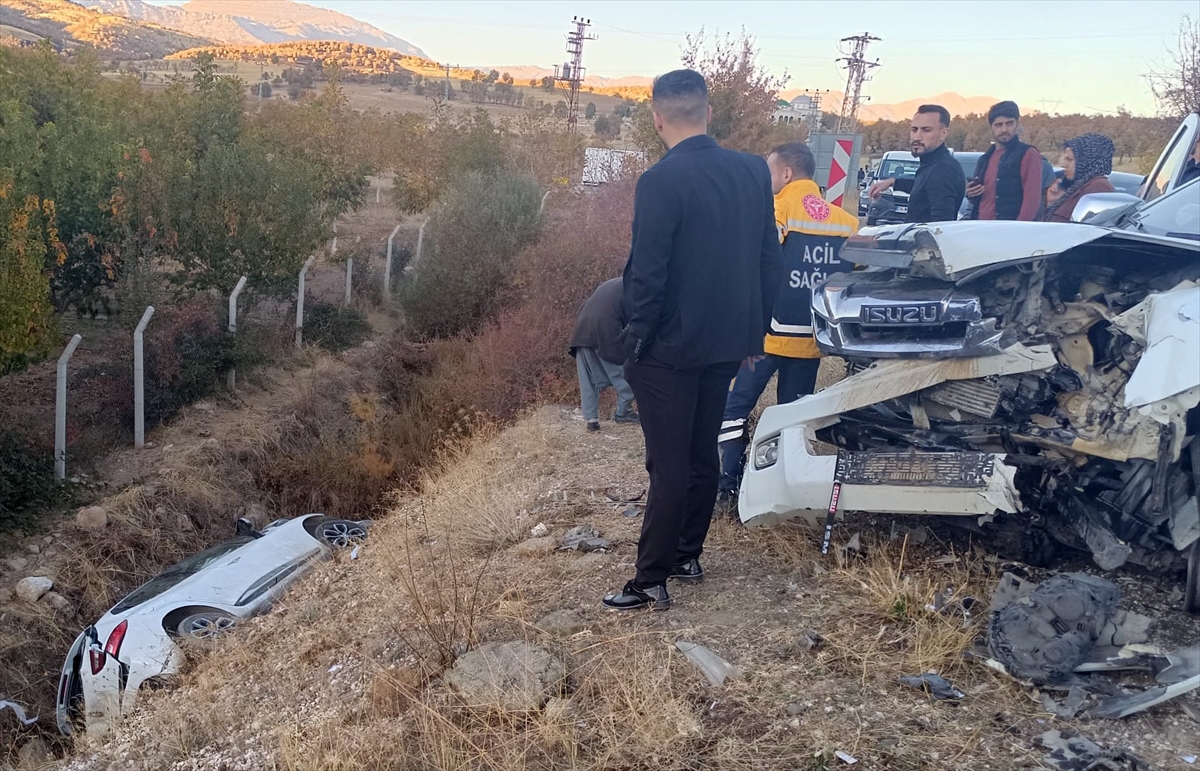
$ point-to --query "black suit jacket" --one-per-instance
(704, 267)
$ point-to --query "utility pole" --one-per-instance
(816, 117)
(447, 82)
(571, 73)
(857, 68)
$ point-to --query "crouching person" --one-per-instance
(598, 355)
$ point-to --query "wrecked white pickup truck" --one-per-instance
(1035, 381)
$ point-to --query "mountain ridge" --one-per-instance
(242, 22)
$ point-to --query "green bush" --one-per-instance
(186, 352)
(333, 327)
(27, 483)
(463, 276)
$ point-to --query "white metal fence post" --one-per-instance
(543, 205)
(139, 380)
(420, 242)
(60, 410)
(387, 267)
(333, 244)
(349, 278)
(231, 378)
(300, 302)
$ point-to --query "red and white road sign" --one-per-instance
(839, 172)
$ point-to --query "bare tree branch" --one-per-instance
(1176, 87)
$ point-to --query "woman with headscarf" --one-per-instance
(1086, 162)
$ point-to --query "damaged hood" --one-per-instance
(953, 251)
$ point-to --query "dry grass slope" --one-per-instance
(346, 674)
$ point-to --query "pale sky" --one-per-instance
(1072, 55)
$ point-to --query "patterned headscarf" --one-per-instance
(1093, 158)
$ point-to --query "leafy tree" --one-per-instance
(589, 112)
(462, 279)
(741, 92)
(606, 127)
(560, 109)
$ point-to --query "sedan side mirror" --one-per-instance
(1094, 203)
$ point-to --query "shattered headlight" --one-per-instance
(766, 453)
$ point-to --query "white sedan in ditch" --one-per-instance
(202, 596)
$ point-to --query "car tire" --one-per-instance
(204, 625)
(1191, 598)
(337, 533)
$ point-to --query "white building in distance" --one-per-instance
(801, 110)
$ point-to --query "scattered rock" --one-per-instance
(797, 708)
(513, 676)
(33, 754)
(715, 668)
(33, 548)
(92, 518)
(540, 530)
(535, 547)
(58, 602)
(203, 407)
(562, 623)
(584, 538)
(184, 524)
(32, 588)
(16, 563)
(6, 595)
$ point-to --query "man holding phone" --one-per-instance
(940, 184)
(1007, 184)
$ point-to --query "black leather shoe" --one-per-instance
(688, 572)
(634, 598)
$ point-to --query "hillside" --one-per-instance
(261, 21)
(349, 56)
(958, 105)
(68, 25)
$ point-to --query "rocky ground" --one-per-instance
(464, 637)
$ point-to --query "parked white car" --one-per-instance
(1036, 381)
(202, 596)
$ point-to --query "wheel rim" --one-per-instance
(342, 534)
(205, 627)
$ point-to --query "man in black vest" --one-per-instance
(1007, 184)
(703, 271)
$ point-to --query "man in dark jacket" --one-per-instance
(703, 272)
(1007, 184)
(939, 187)
(598, 355)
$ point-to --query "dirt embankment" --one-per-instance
(231, 455)
(350, 671)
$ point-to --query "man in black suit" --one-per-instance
(703, 271)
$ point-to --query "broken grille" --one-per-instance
(928, 469)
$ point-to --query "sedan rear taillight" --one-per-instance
(115, 638)
(111, 648)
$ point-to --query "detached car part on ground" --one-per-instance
(206, 594)
(1032, 380)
